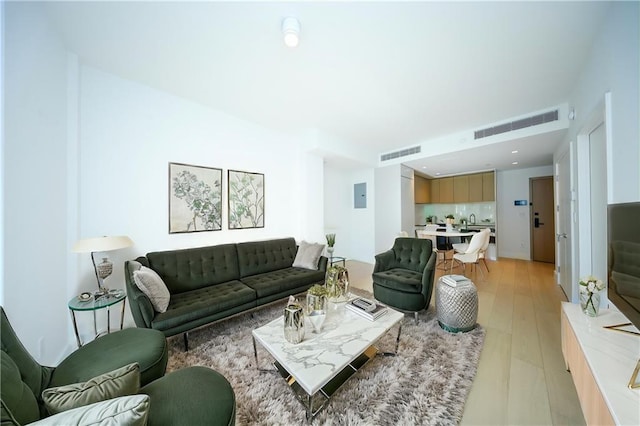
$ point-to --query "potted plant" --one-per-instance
(331, 240)
(430, 219)
(449, 219)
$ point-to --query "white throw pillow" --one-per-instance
(308, 255)
(123, 411)
(150, 283)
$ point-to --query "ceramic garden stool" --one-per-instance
(457, 307)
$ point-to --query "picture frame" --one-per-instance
(195, 198)
(245, 199)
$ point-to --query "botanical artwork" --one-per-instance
(246, 200)
(195, 198)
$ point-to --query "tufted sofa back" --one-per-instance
(411, 253)
(190, 269)
(259, 257)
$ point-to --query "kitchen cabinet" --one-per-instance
(422, 190)
(488, 186)
(446, 190)
(461, 189)
(473, 188)
(435, 190)
(476, 188)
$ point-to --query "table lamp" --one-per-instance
(101, 244)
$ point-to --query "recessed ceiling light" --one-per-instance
(515, 162)
(438, 174)
(424, 167)
(291, 31)
(514, 152)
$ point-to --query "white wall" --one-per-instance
(35, 283)
(129, 133)
(388, 212)
(513, 233)
(354, 228)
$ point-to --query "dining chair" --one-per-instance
(462, 247)
(472, 254)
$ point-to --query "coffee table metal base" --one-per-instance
(313, 404)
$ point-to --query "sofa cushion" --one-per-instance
(259, 257)
(399, 279)
(191, 269)
(130, 410)
(120, 382)
(150, 283)
(191, 396)
(308, 255)
(21, 404)
(146, 347)
(204, 302)
(282, 280)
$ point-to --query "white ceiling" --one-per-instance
(380, 75)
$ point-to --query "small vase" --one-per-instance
(316, 311)
(590, 303)
(330, 251)
(294, 323)
(337, 283)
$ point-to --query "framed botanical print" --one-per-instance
(246, 199)
(195, 198)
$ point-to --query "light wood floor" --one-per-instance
(521, 378)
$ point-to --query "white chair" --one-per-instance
(462, 247)
(472, 254)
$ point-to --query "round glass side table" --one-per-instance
(93, 305)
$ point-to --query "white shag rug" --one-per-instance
(427, 383)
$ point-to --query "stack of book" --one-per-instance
(455, 280)
(366, 308)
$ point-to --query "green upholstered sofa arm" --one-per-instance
(383, 260)
(428, 277)
(140, 305)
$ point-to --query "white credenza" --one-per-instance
(601, 362)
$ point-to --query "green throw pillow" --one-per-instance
(124, 411)
(121, 382)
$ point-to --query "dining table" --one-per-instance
(449, 233)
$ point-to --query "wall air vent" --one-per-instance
(401, 153)
(535, 120)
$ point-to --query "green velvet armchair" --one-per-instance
(195, 395)
(403, 276)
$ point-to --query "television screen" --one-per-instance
(623, 276)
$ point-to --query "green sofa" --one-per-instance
(194, 395)
(207, 284)
(403, 276)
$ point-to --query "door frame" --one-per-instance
(581, 239)
(570, 248)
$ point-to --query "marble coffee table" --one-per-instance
(316, 367)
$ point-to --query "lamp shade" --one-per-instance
(89, 245)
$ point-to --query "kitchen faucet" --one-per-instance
(472, 219)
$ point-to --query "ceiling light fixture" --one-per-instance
(291, 31)
(514, 163)
(514, 152)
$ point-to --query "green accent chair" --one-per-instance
(195, 395)
(403, 276)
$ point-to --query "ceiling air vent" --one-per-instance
(401, 153)
(535, 120)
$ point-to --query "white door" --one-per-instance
(563, 220)
(598, 189)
